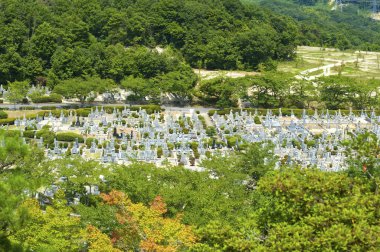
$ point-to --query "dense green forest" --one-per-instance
(150, 47)
(320, 25)
(237, 203)
(60, 40)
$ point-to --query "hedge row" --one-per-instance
(150, 109)
(6, 121)
(69, 137)
(3, 114)
(54, 98)
(284, 111)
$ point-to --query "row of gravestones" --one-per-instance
(153, 131)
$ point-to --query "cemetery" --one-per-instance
(122, 135)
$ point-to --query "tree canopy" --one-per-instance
(110, 39)
(239, 202)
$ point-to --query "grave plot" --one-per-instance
(123, 136)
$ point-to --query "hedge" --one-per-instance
(54, 98)
(284, 111)
(69, 137)
(9, 121)
(12, 133)
(90, 140)
(28, 133)
(3, 114)
(150, 109)
(48, 108)
(83, 112)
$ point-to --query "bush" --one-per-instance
(90, 140)
(3, 114)
(12, 133)
(160, 152)
(28, 133)
(257, 120)
(27, 108)
(48, 108)
(55, 98)
(6, 121)
(47, 135)
(69, 137)
(150, 109)
(211, 131)
(83, 112)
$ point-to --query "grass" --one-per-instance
(312, 57)
(21, 113)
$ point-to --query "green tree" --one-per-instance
(17, 91)
(83, 89)
(138, 86)
(313, 210)
(54, 230)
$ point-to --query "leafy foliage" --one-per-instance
(111, 39)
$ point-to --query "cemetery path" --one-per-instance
(208, 121)
(211, 74)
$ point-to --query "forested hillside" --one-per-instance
(321, 25)
(60, 40)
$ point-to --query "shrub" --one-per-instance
(160, 152)
(211, 131)
(90, 140)
(27, 108)
(257, 120)
(69, 137)
(83, 112)
(150, 109)
(47, 135)
(28, 133)
(48, 108)
(3, 114)
(6, 121)
(12, 133)
(55, 98)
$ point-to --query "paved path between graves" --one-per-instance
(207, 120)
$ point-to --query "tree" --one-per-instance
(83, 89)
(97, 241)
(335, 91)
(306, 209)
(138, 86)
(271, 89)
(17, 91)
(54, 230)
(13, 152)
(44, 42)
(79, 174)
(12, 191)
(363, 151)
(145, 228)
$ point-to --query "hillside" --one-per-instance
(320, 24)
(61, 40)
